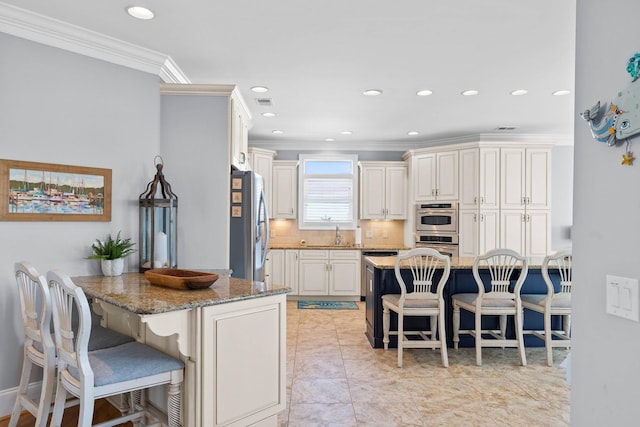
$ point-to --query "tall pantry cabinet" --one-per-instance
(525, 200)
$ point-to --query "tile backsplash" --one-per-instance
(285, 232)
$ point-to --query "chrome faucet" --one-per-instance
(338, 236)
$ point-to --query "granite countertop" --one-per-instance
(133, 292)
(389, 262)
(375, 247)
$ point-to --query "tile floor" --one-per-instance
(335, 378)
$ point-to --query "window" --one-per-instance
(328, 190)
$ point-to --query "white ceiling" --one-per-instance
(317, 57)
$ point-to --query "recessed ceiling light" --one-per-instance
(140, 12)
(329, 139)
(506, 128)
(268, 114)
(413, 133)
(561, 92)
(260, 89)
(470, 92)
(277, 132)
(346, 132)
(372, 92)
(425, 92)
(519, 92)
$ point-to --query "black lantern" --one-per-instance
(158, 245)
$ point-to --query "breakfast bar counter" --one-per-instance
(231, 337)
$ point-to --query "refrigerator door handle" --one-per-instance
(263, 216)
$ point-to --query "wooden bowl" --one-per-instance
(180, 279)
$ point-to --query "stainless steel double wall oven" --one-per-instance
(437, 226)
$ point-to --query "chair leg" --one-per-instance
(58, 407)
(456, 325)
(46, 395)
(478, 327)
(434, 327)
(86, 411)
(385, 326)
(174, 406)
(400, 337)
(566, 324)
(503, 326)
(548, 338)
(519, 325)
(443, 340)
(27, 366)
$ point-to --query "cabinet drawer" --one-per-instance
(344, 254)
(314, 254)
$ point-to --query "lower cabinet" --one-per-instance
(282, 269)
(329, 272)
(240, 386)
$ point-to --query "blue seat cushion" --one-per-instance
(128, 362)
(559, 301)
(486, 302)
(104, 338)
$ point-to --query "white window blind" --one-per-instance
(328, 191)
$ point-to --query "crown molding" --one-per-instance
(52, 32)
(484, 139)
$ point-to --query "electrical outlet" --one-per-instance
(385, 234)
(272, 233)
(369, 234)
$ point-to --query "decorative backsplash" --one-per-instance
(284, 232)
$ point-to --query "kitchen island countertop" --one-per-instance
(389, 262)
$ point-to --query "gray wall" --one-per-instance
(606, 233)
(59, 107)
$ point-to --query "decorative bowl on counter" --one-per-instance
(180, 279)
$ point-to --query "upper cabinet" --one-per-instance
(239, 130)
(435, 176)
(480, 178)
(525, 178)
(383, 190)
(285, 189)
(261, 162)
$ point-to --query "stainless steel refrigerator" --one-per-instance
(249, 234)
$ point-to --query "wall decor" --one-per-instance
(619, 120)
(31, 191)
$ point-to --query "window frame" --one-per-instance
(302, 176)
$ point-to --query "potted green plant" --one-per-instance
(111, 254)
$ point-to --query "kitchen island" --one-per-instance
(380, 280)
(231, 337)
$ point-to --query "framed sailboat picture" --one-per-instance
(32, 191)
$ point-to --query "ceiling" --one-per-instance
(317, 58)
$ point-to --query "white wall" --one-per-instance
(606, 232)
(59, 107)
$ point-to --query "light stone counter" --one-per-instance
(340, 247)
(134, 293)
(457, 263)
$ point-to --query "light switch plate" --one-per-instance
(622, 297)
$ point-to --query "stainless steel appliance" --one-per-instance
(437, 227)
(249, 229)
(363, 275)
(437, 217)
(445, 243)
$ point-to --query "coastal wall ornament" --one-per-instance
(619, 121)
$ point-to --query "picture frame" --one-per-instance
(31, 191)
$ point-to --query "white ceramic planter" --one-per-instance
(112, 267)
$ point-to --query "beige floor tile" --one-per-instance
(335, 378)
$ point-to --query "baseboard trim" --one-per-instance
(8, 398)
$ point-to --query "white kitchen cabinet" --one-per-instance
(479, 231)
(291, 270)
(435, 176)
(332, 272)
(261, 162)
(284, 189)
(525, 178)
(527, 232)
(275, 267)
(383, 190)
(240, 387)
(480, 178)
(239, 126)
